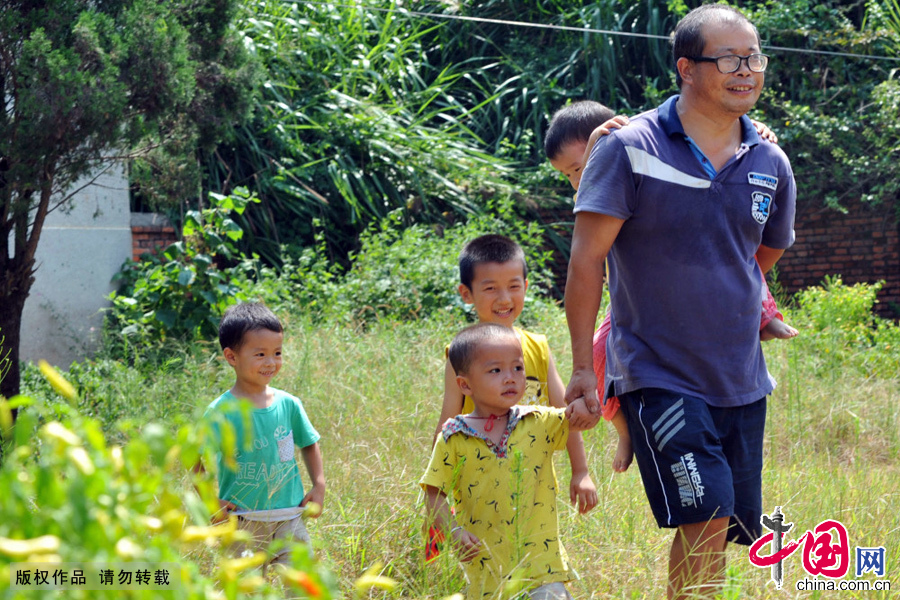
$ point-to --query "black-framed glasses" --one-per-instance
(732, 62)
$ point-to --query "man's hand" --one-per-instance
(583, 385)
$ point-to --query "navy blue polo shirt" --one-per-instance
(685, 287)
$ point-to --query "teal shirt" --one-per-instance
(267, 476)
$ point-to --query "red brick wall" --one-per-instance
(862, 245)
(150, 232)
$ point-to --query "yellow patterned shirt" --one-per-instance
(506, 496)
(536, 352)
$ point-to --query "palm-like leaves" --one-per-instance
(352, 123)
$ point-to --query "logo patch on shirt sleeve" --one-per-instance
(761, 205)
(766, 181)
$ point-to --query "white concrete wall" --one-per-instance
(79, 252)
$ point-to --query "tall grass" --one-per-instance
(353, 121)
(831, 452)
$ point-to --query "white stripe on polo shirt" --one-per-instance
(644, 163)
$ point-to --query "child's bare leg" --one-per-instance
(624, 453)
(777, 329)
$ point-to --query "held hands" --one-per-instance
(583, 492)
(579, 415)
(467, 545)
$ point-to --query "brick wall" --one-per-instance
(862, 245)
(149, 232)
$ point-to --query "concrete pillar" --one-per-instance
(81, 247)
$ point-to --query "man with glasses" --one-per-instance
(688, 204)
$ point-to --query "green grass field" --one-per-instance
(832, 448)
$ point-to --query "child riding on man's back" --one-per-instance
(572, 132)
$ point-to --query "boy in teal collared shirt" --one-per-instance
(260, 482)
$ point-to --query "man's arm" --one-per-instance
(593, 237)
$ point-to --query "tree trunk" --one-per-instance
(14, 289)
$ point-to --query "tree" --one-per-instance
(87, 83)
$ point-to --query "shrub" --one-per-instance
(180, 296)
(839, 329)
(404, 273)
(401, 273)
(71, 496)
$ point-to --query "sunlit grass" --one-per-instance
(832, 447)
(830, 454)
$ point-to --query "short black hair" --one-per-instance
(688, 40)
(244, 317)
(491, 248)
(464, 346)
(574, 123)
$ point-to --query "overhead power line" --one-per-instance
(509, 23)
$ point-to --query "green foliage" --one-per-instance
(833, 114)
(822, 80)
(169, 176)
(833, 443)
(407, 273)
(83, 82)
(885, 14)
(400, 273)
(540, 69)
(115, 392)
(4, 357)
(182, 294)
(71, 496)
(370, 111)
(840, 331)
(87, 84)
(354, 122)
(851, 148)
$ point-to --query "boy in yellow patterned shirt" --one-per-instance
(496, 466)
(493, 278)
